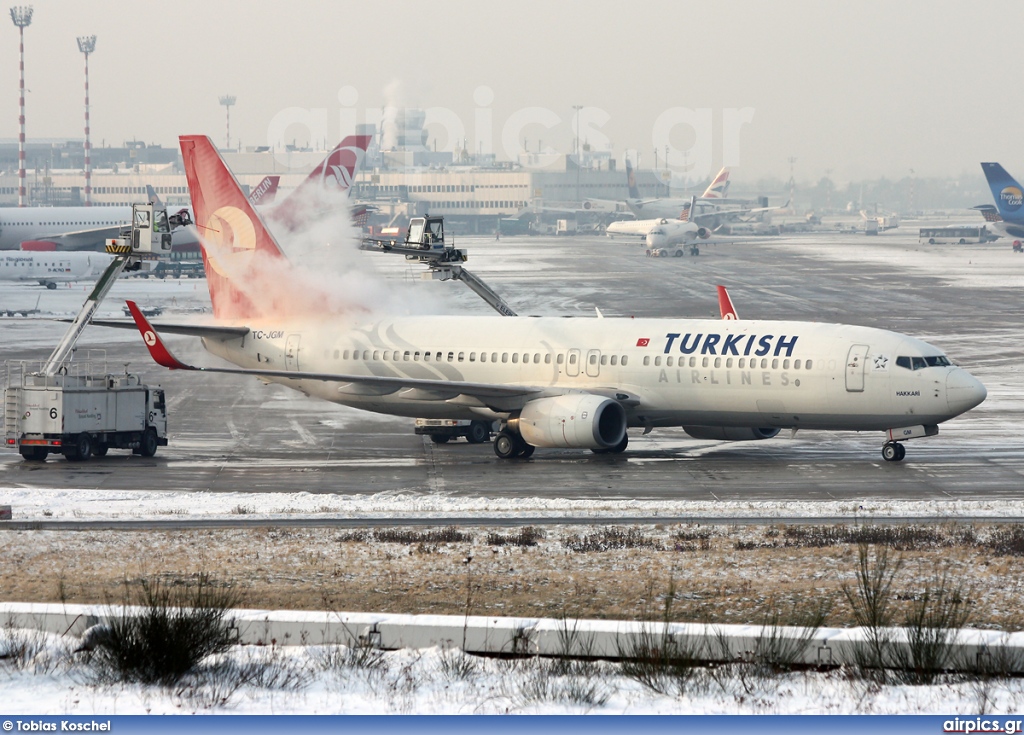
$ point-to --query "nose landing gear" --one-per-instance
(893, 452)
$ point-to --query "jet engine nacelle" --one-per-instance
(576, 420)
(729, 433)
(703, 233)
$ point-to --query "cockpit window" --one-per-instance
(920, 363)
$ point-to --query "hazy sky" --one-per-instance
(864, 88)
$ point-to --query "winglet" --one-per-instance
(157, 350)
(725, 305)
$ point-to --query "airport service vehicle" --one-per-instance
(565, 227)
(552, 382)
(441, 431)
(959, 235)
(1018, 247)
(81, 414)
(67, 407)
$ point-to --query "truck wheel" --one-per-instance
(149, 444)
(80, 450)
(478, 432)
(34, 454)
(439, 438)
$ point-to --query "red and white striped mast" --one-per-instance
(22, 17)
(87, 44)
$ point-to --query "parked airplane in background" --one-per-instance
(1007, 217)
(49, 268)
(551, 382)
(87, 228)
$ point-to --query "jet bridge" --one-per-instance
(425, 243)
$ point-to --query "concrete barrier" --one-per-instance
(609, 639)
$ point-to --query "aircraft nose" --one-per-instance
(963, 391)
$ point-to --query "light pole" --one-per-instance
(228, 100)
(22, 17)
(87, 44)
(577, 108)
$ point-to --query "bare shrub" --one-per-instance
(448, 535)
(1006, 541)
(931, 626)
(173, 629)
(870, 598)
(457, 665)
(527, 536)
(610, 538)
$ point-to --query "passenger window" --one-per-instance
(593, 359)
(526, 357)
(483, 357)
(785, 364)
(536, 358)
(515, 358)
(560, 358)
(494, 357)
(472, 357)
(743, 361)
(397, 356)
(647, 360)
(669, 361)
(406, 356)
(376, 355)
(462, 356)
(346, 354)
(657, 361)
(728, 362)
(440, 356)
(807, 365)
(796, 364)
(426, 357)
(547, 359)
(504, 357)
(604, 359)
(718, 362)
(416, 356)
(336, 355)
(624, 358)
(775, 364)
(451, 356)
(615, 359)
(704, 362)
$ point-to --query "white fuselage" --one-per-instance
(25, 224)
(51, 267)
(668, 372)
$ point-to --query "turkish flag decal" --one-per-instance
(643, 342)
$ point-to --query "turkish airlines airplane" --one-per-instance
(49, 269)
(551, 382)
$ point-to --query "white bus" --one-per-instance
(960, 235)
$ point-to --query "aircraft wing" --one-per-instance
(192, 330)
(89, 239)
(501, 397)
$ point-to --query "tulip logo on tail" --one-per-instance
(233, 237)
(1011, 197)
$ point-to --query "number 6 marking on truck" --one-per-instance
(53, 413)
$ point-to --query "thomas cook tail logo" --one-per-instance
(233, 237)
(1011, 197)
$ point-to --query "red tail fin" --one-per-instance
(325, 185)
(725, 306)
(265, 191)
(238, 250)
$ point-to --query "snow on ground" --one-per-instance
(322, 680)
(35, 504)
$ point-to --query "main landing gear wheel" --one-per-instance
(893, 452)
(507, 446)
